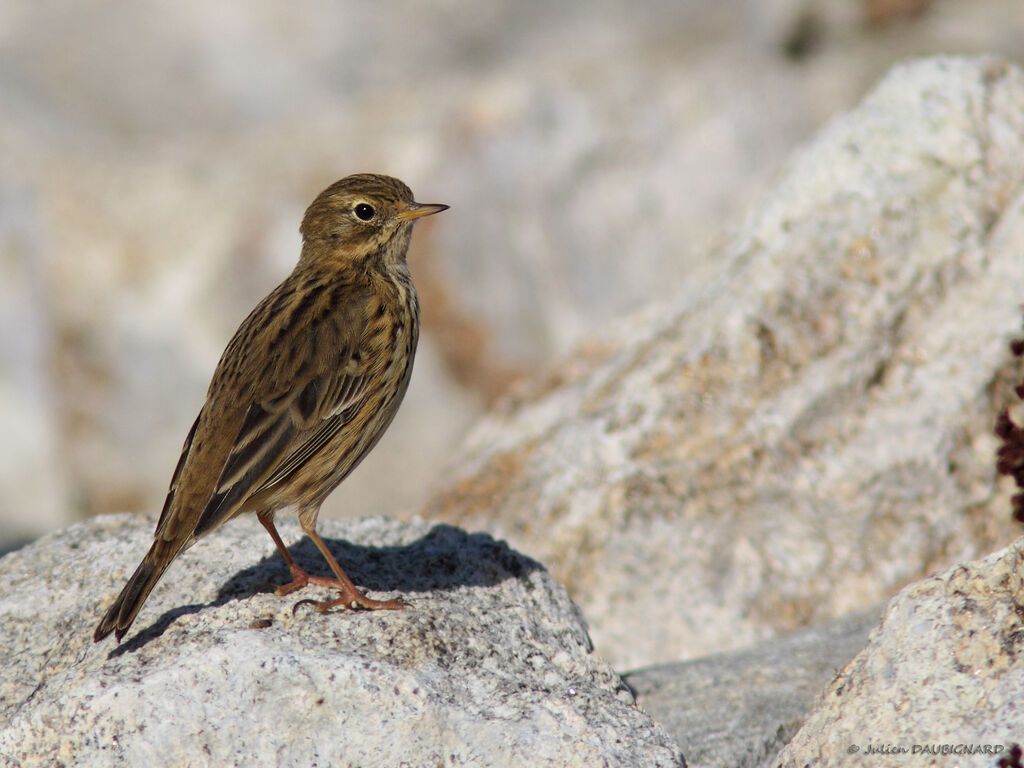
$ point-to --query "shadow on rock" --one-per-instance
(445, 558)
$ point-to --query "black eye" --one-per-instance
(364, 211)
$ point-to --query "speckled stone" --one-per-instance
(490, 665)
(811, 431)
(940, 682)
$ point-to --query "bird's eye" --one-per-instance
(364, 211)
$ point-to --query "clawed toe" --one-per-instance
(287, 589)
(299, 579)
(359, 601)
(350, 597)
(352, 600)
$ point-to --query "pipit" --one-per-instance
(303, 391)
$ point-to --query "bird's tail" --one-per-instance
(126, 607)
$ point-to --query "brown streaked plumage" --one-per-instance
(303, 391)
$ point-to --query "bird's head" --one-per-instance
(363, 217)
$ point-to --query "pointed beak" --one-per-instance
(419, 210)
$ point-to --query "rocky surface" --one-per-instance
(940, 682)
(812, 430)
(738, 709)
(491, 665)
(157, 158)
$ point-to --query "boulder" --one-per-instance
(809, 432)
(490, 665)
(939, 683)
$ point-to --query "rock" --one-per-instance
(738, 709)
(491, 665)
(940, 682)
(810, 432)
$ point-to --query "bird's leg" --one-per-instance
(299, 577)
(350, 596)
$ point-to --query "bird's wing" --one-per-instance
(340, 407)
(296, 416)
(278, 435)
(297, 362)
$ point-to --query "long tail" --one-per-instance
(126, 607)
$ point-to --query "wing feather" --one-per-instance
(337, 412)
(279, 415)
(277, 437)
(244, 470)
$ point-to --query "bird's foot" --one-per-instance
(300, 579)
(353, 599)
(362, 602)
(350, 597)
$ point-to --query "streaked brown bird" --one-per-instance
(304, 390)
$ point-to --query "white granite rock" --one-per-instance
(491, 665)
(812, 430)
(940, 682)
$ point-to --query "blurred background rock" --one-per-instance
(156, 160)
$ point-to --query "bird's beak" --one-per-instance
(419, 210)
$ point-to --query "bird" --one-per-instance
(303, 391)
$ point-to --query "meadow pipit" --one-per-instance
(305, 388)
